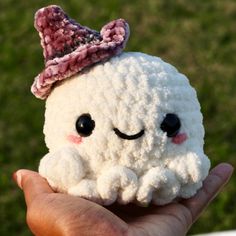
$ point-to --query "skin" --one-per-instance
(50, 213)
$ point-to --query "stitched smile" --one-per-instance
(129, 137)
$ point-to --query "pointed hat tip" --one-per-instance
(69, 47)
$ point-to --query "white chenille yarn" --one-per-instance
(130, 92)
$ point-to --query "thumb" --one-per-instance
(31, 183)
(212, 185)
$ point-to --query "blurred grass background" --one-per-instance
(198, 37)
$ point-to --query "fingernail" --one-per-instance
(17, 178)
(224, 170)
(226, 167)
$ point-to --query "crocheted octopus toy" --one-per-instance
(120, 126)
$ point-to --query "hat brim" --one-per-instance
(114, 36)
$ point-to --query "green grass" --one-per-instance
(198, 37)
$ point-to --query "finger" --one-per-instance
(213, 184)
(31, 183)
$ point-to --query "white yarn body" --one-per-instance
(131, 92)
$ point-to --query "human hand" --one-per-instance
(50, 213)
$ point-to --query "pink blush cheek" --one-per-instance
(179, 138)
(75, 139)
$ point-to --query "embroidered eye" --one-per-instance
(85, 125)
(171, 125)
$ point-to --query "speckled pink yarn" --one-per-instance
(69, 47)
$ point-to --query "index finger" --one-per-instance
(213, 184)
(32, 184)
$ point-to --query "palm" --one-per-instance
(50, 213)
(173, 219)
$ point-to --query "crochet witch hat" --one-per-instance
(69, 47)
